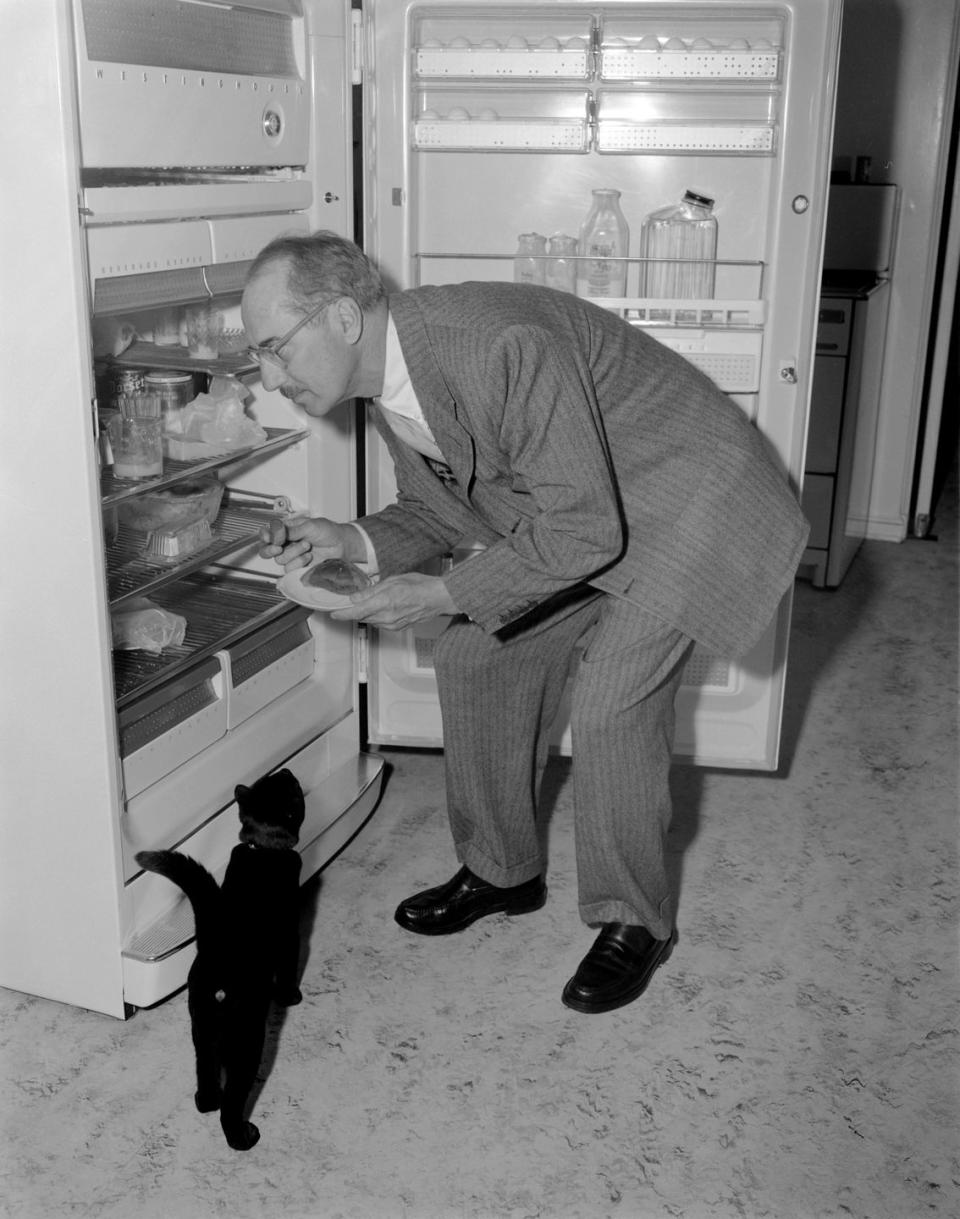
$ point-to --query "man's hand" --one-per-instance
(300, 540)
(399, 601)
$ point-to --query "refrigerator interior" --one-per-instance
(189, 137)
(497, 121)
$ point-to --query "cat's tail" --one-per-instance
(198, 884)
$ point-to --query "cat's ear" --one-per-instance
(240, 793)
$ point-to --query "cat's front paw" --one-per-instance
(242, 1136)
(288, 996)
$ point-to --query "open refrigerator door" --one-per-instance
(177, 139)
(495, 126)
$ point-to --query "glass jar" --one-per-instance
(561, 270)
(174, 389)
(686, 231)
(604, 239)
(529, 263)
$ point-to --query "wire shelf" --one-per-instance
(220, 606)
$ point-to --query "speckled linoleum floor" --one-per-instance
(797, 1057)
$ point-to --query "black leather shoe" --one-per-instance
(464, 899)
(617, 968)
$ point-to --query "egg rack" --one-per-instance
(689, 63)
(501, 135)
(560, 63)
(637, 58)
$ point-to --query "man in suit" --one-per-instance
(626, 509)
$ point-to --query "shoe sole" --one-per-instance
(452, 929)
(610, 1005)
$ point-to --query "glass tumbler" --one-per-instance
(136, 439)
(204, 327)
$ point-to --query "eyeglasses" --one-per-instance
(269, 353)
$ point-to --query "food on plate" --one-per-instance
(336, 576)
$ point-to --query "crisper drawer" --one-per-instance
(266, 664)
(162, 729)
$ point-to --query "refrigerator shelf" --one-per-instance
(564, 135)
(740, 307)
(150, 355)
(114, 490)
(130, 573)
(221, 606)
(730, 358)
(625, 137)
(714, 315)
(714, 64)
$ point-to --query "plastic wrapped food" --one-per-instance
(211, 424)
(141, 626)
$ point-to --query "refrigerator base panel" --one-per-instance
(723, 703)
(157, 958)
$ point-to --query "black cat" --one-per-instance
(248, 945)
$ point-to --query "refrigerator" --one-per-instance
(159, 145)
(495, 121)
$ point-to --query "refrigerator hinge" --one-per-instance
(596, 44)
(356, 47)
(593, 123)
(362, 666)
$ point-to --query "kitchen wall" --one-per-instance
(895, 103)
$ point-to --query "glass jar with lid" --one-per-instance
(174, 389)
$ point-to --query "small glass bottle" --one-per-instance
(604, 238)
(562, 263)
(530, 261)
(686, 230)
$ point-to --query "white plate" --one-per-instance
(292, 586)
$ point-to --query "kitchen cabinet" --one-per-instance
(838, 468)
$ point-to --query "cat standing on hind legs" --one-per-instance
(248, 945)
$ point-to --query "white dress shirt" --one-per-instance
(398, 402)
(402, 412)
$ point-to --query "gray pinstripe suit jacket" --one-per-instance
(583, 450)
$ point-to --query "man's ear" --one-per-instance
(348, 316)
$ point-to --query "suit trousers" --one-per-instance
(499, 695)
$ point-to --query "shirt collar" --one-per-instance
(397, 393)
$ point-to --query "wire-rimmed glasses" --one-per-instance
(269, 353)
